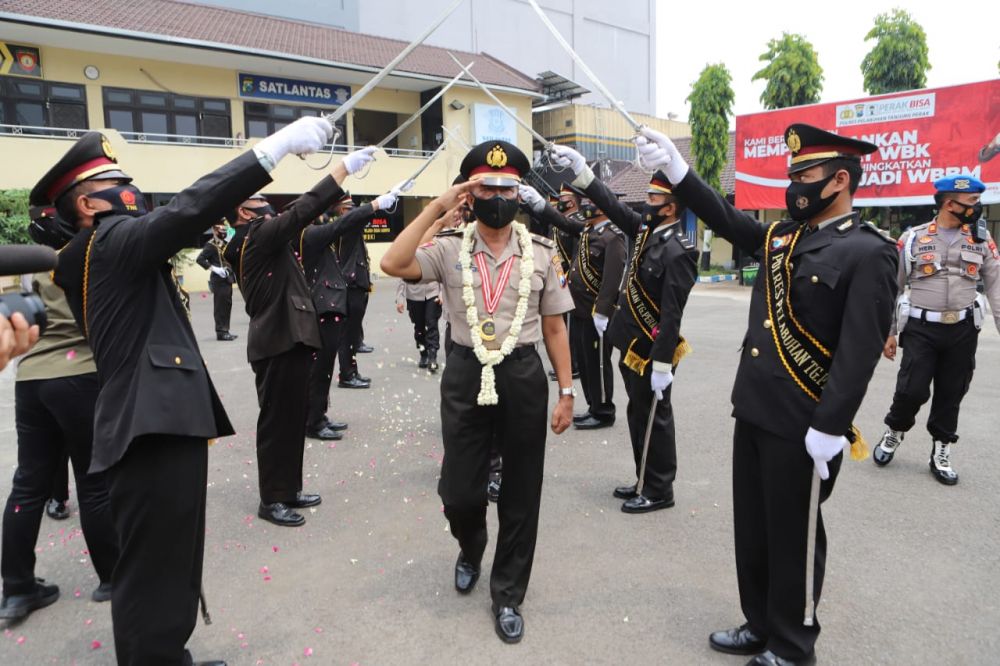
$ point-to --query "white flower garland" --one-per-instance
(492, 357)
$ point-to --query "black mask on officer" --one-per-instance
(970, 213)
(260, 211)
(652, 214)
(563, 206)
(124, 199)
(804, 200)
(495, 212)
(51, 231)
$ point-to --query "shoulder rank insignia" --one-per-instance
(448, 232)
(845, 225)
(542, 240)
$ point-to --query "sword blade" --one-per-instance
(375, 80)
(615, 104)
(811, 549)
(600, 350)
(420, 111)
(428, 161)
(456, 138)
(645, 446)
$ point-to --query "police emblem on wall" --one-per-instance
(496, 158)
(20, 60)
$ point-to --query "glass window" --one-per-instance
(30, 113)
(215, 125)
(70, 116)
(185, 103)
(150, 99)
(215, 105)
(256, 128)
(186, 125)
(29, 89)
(265, 119)
(279, 111)
(33, 103)
(117, 96)
(121, 120)
(154, 112)
(66, 92)
(154, 123)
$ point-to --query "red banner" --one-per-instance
(922, 135)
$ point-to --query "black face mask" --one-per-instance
(468, 215)
(803, 200)
(124, 200)
(496, 212)
(652, 216)
(260, 211)
(969, 213)
(51, 231)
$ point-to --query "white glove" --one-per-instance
(304, 136)
(568, 158)
(657, 151)
(530, 196)
(822, 448)
(659, 380)
(356, 161)
(219, 270)
(386, 201)
(600, 323)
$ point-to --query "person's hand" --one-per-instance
(657, 151)
(218, 270)
(568, 158)
(399, 308)
(451, 197)
(16, 337)
(531, 197)
(356, 161)
(600, 323)
(385, 201)
(562, 415)
(822, 448)
(889, 351)
(304, 136)
(659, 380)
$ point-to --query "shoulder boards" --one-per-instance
(685, 242)
(883, 235)
(614, 228)
(448, 232)
(542, 240)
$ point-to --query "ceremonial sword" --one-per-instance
(420, 111)
(811, 549)
(645, 446)
(600, 350)
(456, 138)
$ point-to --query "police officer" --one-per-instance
(942, 314)
(283, 339)
(157, 407)
(493, 380)
(54, 398)
(353, 255)
(220, 281)
(595, 279)
(818, 320)
(423, 303)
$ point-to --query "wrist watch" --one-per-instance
(570, 391)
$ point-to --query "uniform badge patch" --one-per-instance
(924, 239)
(781, 241)
(972, 269)
(928, 269)
(557, 264)
(428, 244)
(993, 249)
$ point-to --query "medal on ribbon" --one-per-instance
(492, 294)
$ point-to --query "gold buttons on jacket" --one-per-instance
(814, 279)
(755, 352)
(767, 323)
(177, 360)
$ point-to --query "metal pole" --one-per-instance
(811, 549)
(645, 446)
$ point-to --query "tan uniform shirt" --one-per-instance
(419, 291)
(61, 351)
(439, 262)
(943, 275)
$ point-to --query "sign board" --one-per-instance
(492, 123)
(19, 60)
(258, 86)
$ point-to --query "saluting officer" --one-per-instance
(220, 281)
(493, 382)
(663, 267)
(818, 321)
(157, 407)
(942, 315)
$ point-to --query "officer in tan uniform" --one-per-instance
(423, 303)
(938, 321)
(500, 305)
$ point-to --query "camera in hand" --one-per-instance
(19, 260)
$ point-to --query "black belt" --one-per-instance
(523, 351)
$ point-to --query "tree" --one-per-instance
(711, 106)
(792, 73)
(898, 61)
(14, 217)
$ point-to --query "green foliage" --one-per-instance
(793, 74)
(711, 106)
(14, 217)
(898, 61)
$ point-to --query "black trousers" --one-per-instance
(54, 416)
(520, 422)
(222, 302)
(282, 394)
(331, 328)
(661, 459)
(772, 477)
(425, 316)
(942, 354)
(60, 484)
(157, 495)
(587, 347)
(357, 305)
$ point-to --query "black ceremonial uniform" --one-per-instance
(841, 289)
(157, 407)
(663, 267)
(329, 294)
(283, 337)
(356, 268)
(221, 287)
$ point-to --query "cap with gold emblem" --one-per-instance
(495, 163)
(810, 146)
(90, 158)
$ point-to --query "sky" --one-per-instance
(964, 46)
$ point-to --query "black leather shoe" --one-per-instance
(226, 337)
(432, 363)
(303, 500)
(21, 605)
(641, 504)
(509, 623)
(362, 378)
(189, 661)
(364, 349)
(738, 640)
(770, 659)
(493, 489)
(56, 510)
(353, 383)
(625, 492)
(324, 433)
(210, 663)
(422, 363)
(583, 416)
(281, 514)
(334, 425)
(466, 574)
(593, 423)
(101, 593)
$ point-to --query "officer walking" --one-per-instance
(493, 381)
(220, 281)
(818, 321)
(942, 314)
(423, 303)
(157, 407)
